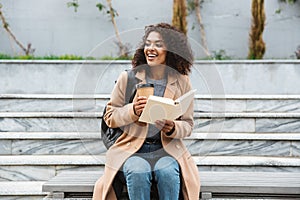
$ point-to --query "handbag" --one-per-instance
(110, 135)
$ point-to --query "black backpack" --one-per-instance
(110, 135)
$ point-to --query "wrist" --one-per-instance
(171, 131)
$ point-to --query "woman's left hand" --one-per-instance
(164, 125)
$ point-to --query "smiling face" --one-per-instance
(155, 49)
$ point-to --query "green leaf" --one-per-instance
(73, 4)
(100, 6)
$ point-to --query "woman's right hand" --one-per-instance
(139, 105)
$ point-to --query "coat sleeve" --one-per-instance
(184, 125)
(117, 114)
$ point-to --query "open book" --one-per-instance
(158, 108)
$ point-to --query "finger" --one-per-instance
(168, 122)
(169, 125)
(166, 130)
(163, 124)
(138, 108)
(159, 124)
(142, 98)
(141, 102)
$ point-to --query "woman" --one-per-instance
(147, 155)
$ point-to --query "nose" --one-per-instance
(151, 46)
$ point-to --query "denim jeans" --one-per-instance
(142, 169)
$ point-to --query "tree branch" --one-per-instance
(199, 19)
(27, 50)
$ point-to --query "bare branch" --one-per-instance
(27, 50)
(203, 35)
(119, 42)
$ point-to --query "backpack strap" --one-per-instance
(130, 89)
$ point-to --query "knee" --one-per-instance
(166, 167)
(136, 164)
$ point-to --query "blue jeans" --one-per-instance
(140, 172)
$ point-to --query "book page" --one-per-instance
(158, 108)
(185, 100)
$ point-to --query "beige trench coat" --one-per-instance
(118, 115)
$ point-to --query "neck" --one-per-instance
(157, 73)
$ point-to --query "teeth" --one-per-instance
(151, 55)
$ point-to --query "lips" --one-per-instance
(151, 56)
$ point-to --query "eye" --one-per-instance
(147, 44)
(159, 44)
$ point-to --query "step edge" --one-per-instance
(196, 115)
(87, 160)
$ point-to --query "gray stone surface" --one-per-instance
(52, 160)
(21, 188)
(51, 105)
(249, 169)
(49, 124)
(58, 147)
(99, 160)
(50, 135)
(244, 136)
(240, 148)
(224, 125)
(273, 105)
(249, 161)
(48, 131)
(60, 169)
(96, 105)
(52, 77)
(277, 125)
(5, 147)
(233, 77)
(215, 105)
(95, 77)
(197, 147)
(28, 173)
(295, 149)
(23, 197)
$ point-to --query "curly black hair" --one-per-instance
(179, 53)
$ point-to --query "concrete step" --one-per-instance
(49, 135)
(196, 147)
(194, 136)
(49, 122)
(220, 184)
(244, 144)
(44, 167)
(98, 160)
(96, 102)
(30, 189)
(204, 122)
(89, 143)
(99, 115)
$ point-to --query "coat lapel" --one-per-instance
(171, 88)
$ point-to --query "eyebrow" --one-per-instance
(154, 41)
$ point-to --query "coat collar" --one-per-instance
(171, 86)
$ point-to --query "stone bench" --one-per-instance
(79, 185)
